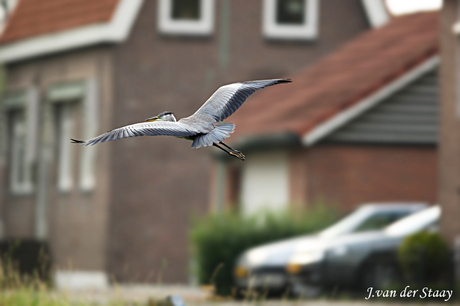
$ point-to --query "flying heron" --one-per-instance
(205, 127)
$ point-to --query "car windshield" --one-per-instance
(364, 219)
(414, 223)
(380, 220)
(348, 223)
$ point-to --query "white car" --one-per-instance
(263, 268)
(358, 260)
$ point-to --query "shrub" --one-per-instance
(424, 256)
(218, 239)
(22, 259)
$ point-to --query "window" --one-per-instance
(20, 109)
(76, 106)
(20, 172)
(290, 19)
(65, 129)
(187, 17)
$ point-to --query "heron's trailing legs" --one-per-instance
(236, 153)
(232, 151)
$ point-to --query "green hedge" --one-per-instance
(24, 259)
(424, 257)
(218, 239)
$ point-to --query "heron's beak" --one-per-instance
(151, 119)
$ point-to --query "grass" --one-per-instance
(27, 290)
(31, 296)
(44, 296)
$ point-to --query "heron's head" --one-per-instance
(164, 116)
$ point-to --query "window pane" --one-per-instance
(18, 149)
(186, 9)
(65, 131)
(290, 11)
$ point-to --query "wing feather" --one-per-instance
(155, 128)
(228, 98)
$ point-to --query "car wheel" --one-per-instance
(379, 274)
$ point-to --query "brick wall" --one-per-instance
(356, 174)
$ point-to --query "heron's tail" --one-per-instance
(220, 132)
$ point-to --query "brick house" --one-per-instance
(360, 125)
(78, 68)
(449, 145)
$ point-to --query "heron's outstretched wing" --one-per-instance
(154, 128)
(228, 98)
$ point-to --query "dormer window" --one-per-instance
(290, 19)
(186, 17)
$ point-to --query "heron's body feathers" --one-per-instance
(201, 122)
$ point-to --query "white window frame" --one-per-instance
(202, 27)
(376, 12)
(306, 31)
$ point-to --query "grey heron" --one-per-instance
(205, 127)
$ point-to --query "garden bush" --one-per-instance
(424, 257)
(22, 259)
(218, 239)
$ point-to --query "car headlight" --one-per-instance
(294, 268)
(307, 257)
(241, 272)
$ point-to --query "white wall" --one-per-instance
(265, 182)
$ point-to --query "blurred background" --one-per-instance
(372, 117)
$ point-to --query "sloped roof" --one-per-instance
(38, 17)
(342, 79)
(41, 27)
